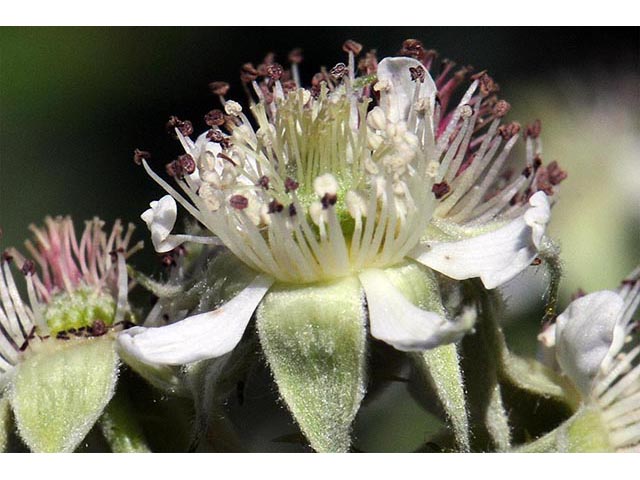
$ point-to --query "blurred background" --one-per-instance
(75, 102)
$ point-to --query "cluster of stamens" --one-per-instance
(324, 183)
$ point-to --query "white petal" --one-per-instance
(398, 322)
(394, 72)
(160, 219)
(496, 257)
(207, 335)
(585, 333)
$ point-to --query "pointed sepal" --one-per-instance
(61, 389)
(314, 340)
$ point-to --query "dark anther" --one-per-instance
(527, 171)
(275, 206)
(62, 336)
(185, 126)
(248, 73)
(7, 257)
(139, 155)
(275, 71)
(187, 163)
(214, 118)
(239, 202)
(174, 169)
(537, 162)
(440, 189)
(487, 84)
(114, 253)
(328, 200)
(534, 129)
(417, 73)
(292, 210)
(215, 135)
(501, 108)
(28, 267)
(413, 48)
(98, 328)
(263, 182)
(290, 185)
(509, 130)
(556, 174)
(219, 88)
(536, 261)
(339, 70)
(295, 55)
(352, 46)
(168, 260)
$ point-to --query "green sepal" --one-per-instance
(60, 390)
(585, 432)
(121, 428)
(5, 422)
(440, 367)
(314, 340)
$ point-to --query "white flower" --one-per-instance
(597, 348)
(349, 192)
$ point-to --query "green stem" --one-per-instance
(120, 427)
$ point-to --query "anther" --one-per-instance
(214, 118)
(501, 108)
(556, 174)
(174, 169)
(328, 200)
(98, 328)
(536, 261)
(290, 185)
(487, 84)
(215, 135)
(275, 206)
(239, 202)
(187, 163)
(28, 267)
(527, 171)
(219, 88)
(139, 155)
(413, 48)
(292, 210)
(295, 55)
(168, 260)
(263, 182)
(338, 71)
(351, 46)
(509, 130)
(275, 71)
(7, 257)
(534, 129)
(440, 189)
(417, 73)
(185, 126)
(248, 73)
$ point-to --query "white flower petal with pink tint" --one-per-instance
(398, 322)
(496, 257)
(202, 336)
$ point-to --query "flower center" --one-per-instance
(79, 309)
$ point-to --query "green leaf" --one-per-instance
(314, 340)
(5, 423)
(440, 366)
(61, 389)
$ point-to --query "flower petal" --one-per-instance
(202, 336)
(585, 333)
(398, 89)
(160, 219)
(398, 322)
(496, 257)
